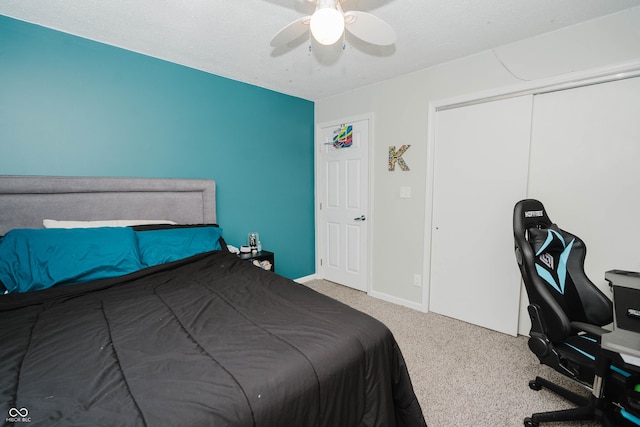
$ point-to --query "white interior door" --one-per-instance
(343, 190)
(481, 166)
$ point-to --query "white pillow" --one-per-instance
(52, 223)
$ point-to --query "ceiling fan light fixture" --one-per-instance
(327, 25)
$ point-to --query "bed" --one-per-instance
(201, 340)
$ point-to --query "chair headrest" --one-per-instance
(529, 213)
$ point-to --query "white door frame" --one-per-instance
(320, 243)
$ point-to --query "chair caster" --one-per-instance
(533, 385)
(528, 422)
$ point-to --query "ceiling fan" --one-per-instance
(329, 21)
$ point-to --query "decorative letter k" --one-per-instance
(396, 156)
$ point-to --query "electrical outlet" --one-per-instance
(417, 280)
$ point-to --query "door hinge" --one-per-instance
(320, 262)
(320, 205)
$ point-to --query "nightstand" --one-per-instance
(260, 256)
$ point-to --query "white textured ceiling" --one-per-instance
(231, 38)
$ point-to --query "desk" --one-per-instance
(625, 337)
(619, 360)
(626, 343)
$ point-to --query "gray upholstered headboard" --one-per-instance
(26, 200)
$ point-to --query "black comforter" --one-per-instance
(208, 341)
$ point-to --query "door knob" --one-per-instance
(360, 218)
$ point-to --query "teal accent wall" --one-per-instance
(75, 107)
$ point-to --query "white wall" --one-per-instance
(401, 110)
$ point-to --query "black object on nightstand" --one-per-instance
(260, 256)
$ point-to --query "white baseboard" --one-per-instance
(305, 279)
(396, 300)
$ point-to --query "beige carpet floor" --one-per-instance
(463, 375)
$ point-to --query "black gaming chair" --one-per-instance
(566, 309)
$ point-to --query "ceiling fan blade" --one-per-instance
(369, 28)
(291, 31)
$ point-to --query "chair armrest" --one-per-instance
(588, 327)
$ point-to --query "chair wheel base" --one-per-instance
(585, 410)
(534, 385)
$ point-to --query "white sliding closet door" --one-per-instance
(585, 168)
(481, 164)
